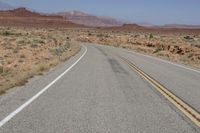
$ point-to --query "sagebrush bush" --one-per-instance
(21, 41)
(6, 33)
(60, 49)
(34, 45)
(38, 40)
(188, 38)
(56, 51)
(43, 67)
(1, 69)
(151, 36)
(22, 56)
(157, 50)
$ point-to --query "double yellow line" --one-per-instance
(190, 112)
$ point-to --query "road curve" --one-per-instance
(101, 93)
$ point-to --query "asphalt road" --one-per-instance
(96, 92)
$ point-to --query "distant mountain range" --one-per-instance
(26, 18)
(89, 20)
(146, 24)
(19, 12)
(82, 18)
(5, 6)
(181, 26)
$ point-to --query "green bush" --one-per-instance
(89, 34)
(57, 50)
(188, 38)
(100, 35)
(37, 40)
(9, 33)
(151, 36)
(60, 49)
(1, 69)
(6, 33)
(53, 51)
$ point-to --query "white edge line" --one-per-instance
(165, 61)
(19, 109)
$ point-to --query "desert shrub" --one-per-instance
(116, 45)
(136, 36)
(2, 92)
(67, 44)
(1, 69)
(157, 50)
(6, 33)
(57, 50)
(22, 56)
(188, 38)
(151, 36)
(15, 51)
(9, 33)
(34, 45)
(9, 47)
(161, 54)
(21, 41)
(196, 45)
(37, 40)
(42, 67)
(20, 61)
(89, 34)
(190, 55)
(60, 49)
(100, 35)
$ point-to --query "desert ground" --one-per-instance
(180, 47)
(26, 52)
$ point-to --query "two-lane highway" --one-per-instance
(95, 91)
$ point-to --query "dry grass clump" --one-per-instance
(1, 69)
(42, 67)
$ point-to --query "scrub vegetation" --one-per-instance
(31, 51)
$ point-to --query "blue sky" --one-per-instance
(151, 11)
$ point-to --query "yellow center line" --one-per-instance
(190, 112)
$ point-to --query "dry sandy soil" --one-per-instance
(28, 52)
(181, 47)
